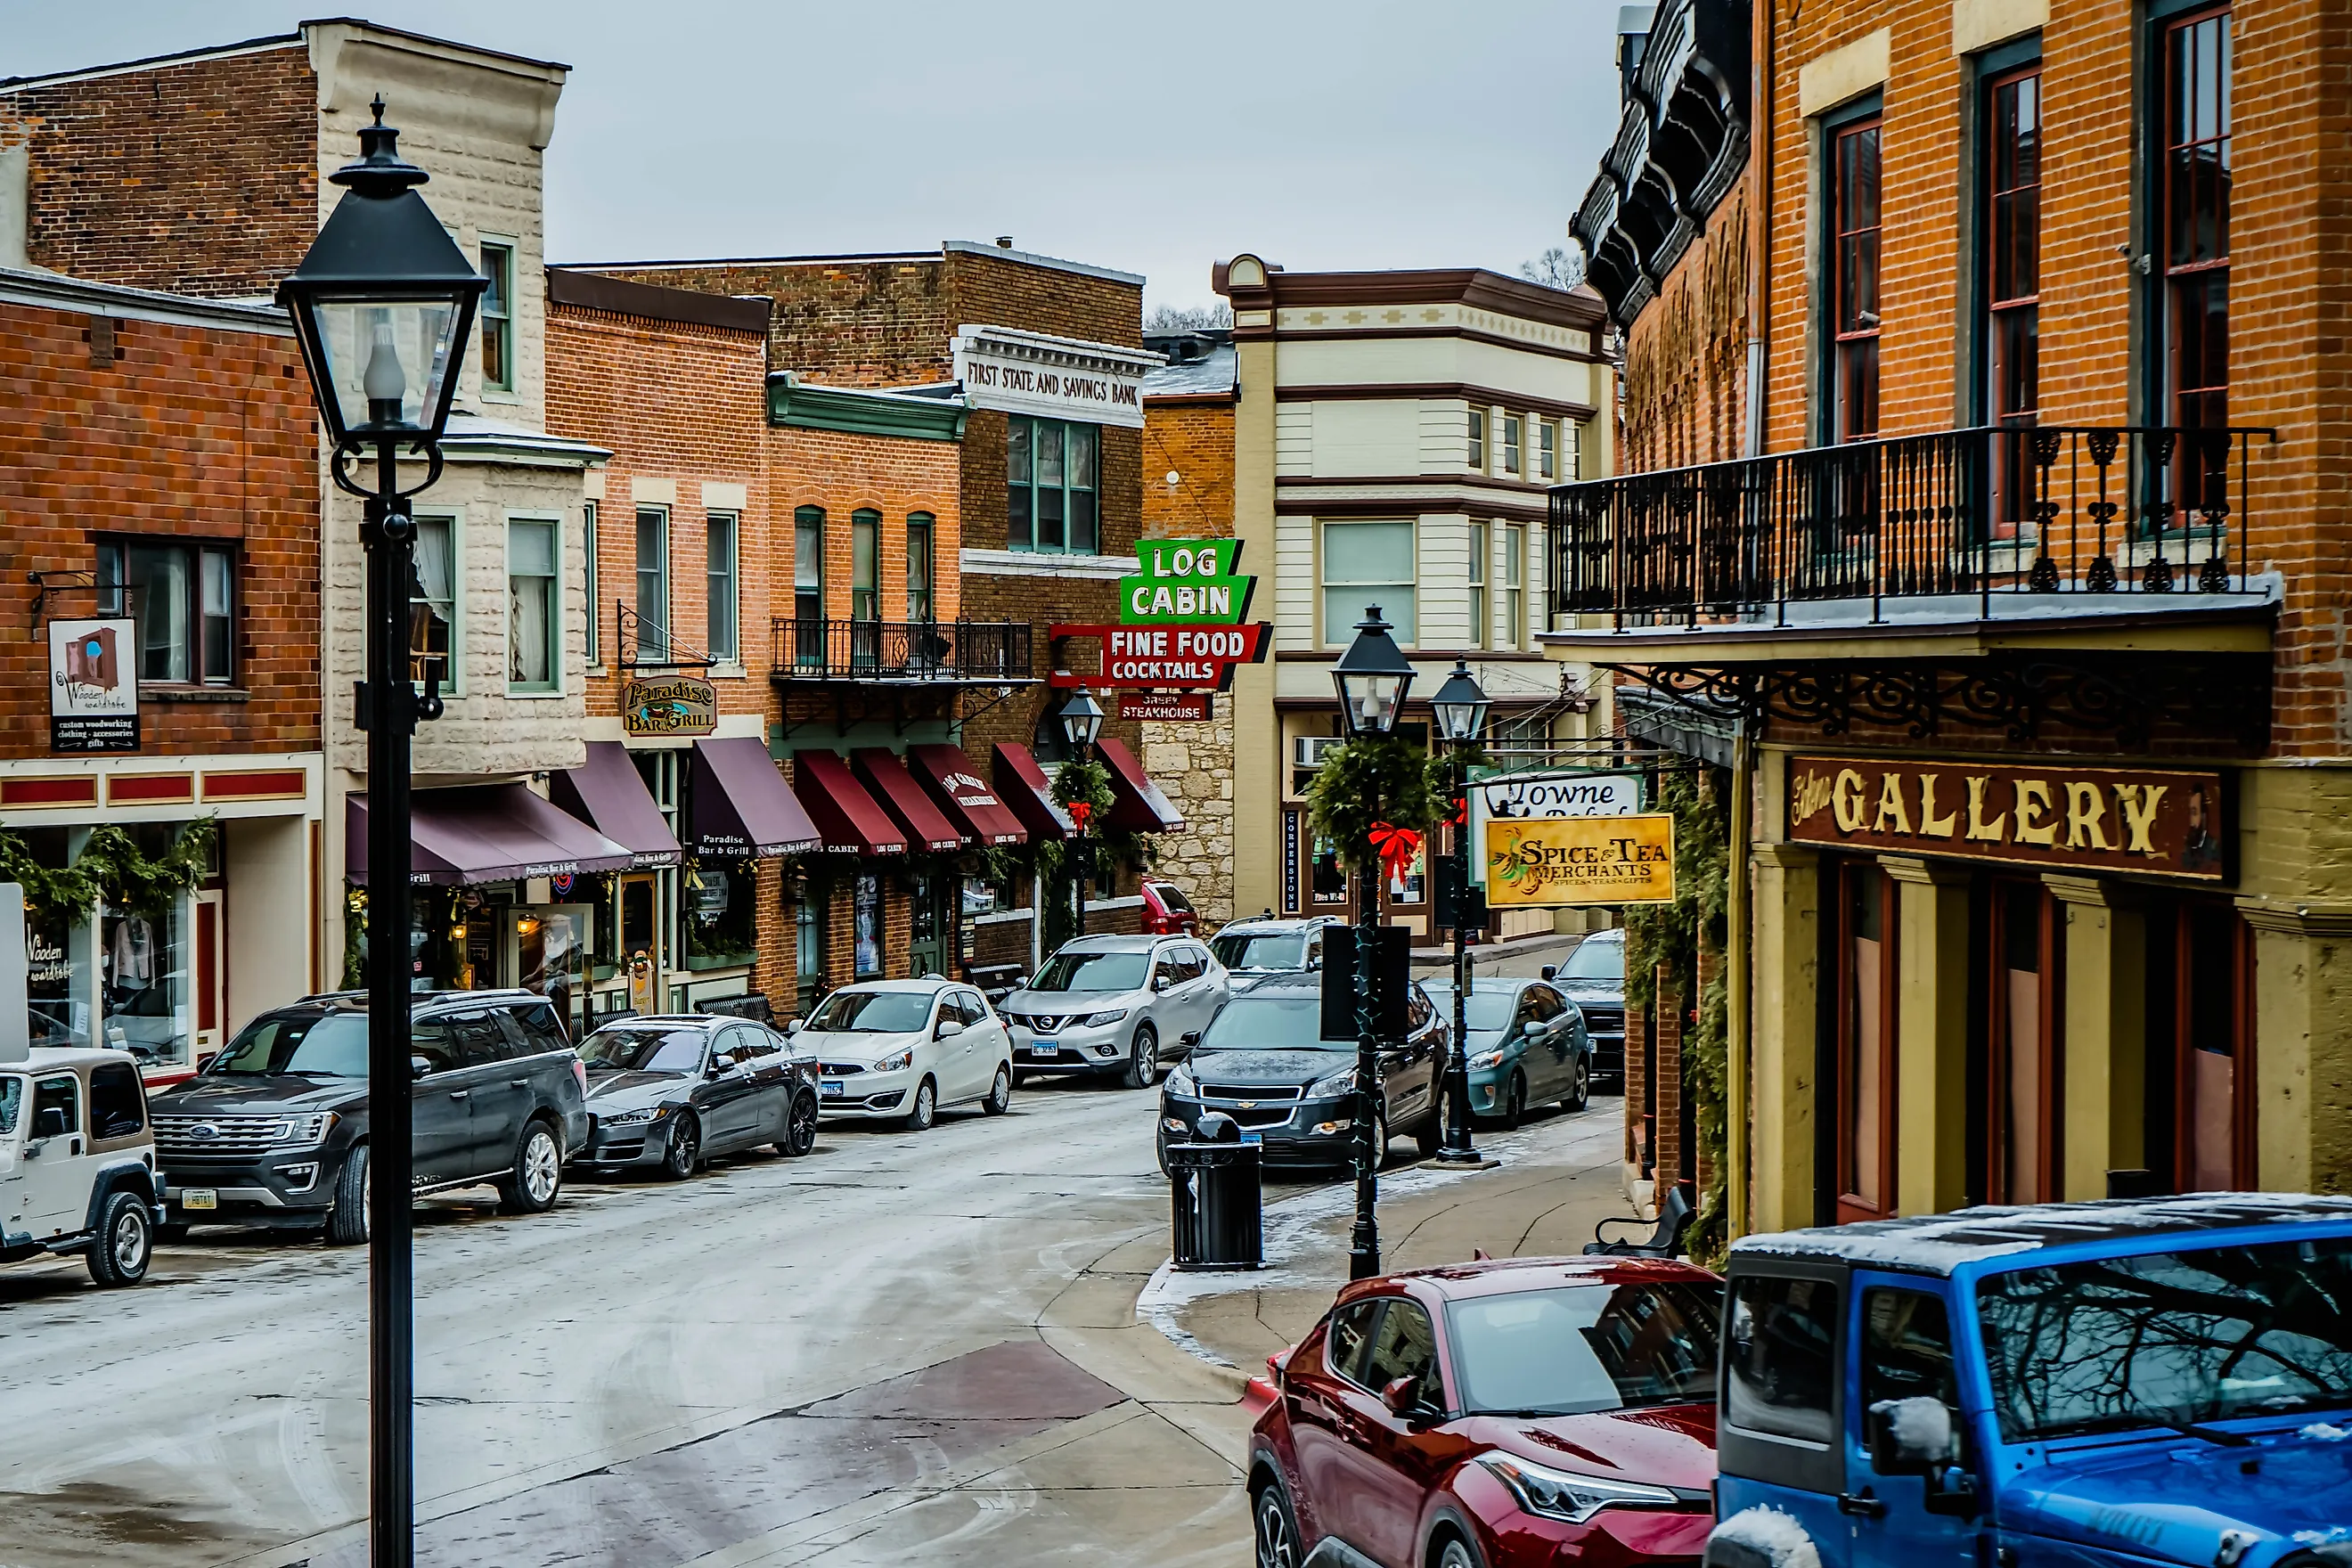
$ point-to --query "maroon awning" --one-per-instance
(1022, 784)
(852, 821)
(609, 794)
(1136, 802)
(738, 805)
(485, 832)
(925, 824)
(953, 780)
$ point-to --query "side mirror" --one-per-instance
(949, 1029)
(715, 1068)
(1160, 982)
(791, 1026)
(1549, 969)
(1189, 1038)
(1533, 1029)
(419, 1066)
(1403, 1398)
(1910, 1436)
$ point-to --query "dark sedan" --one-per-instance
(1594, 979)
(672, 1091)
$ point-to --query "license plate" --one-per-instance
(1040, 1053)
(199, 1198)
(829, 1090)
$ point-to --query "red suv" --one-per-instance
(1496, 1414)
(1167, 911)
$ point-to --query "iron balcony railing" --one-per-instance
(977, 651)
(2044, 510)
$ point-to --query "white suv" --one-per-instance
(78, 1163)
(907, 1049)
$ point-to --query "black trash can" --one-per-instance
(1214, 1202)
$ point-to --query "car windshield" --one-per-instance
(1277, 950)
(312, 1045)
(872, 1012)
(1491, 1005)
(1270, 1024)
(1068, 970)
(1567, 1350)
(2170, 1337)
(645, 1048)
(1595, 960)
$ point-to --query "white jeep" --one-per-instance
(77, 1162)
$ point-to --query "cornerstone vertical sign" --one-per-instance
(93, 686)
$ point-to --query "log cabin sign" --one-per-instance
(2148, 821)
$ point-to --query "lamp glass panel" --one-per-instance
(1373, 701)
(387, 350)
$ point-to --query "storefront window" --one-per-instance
(551, 958)
(1328, 876)
(721, 920)
(143, 963)
(868, 910)
(2023, 1013)
(1865, 1044)
(58, 945)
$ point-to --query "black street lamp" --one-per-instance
(384, 304)
(1460, 707)
(1372, 677)
(1082, 722)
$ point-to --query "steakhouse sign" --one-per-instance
(1572, 860)
(2166, 823)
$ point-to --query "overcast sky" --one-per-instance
(1154, 138)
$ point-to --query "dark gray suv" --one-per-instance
(274, 1131)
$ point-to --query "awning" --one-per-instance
(485, 832)
(609, 794)
(852, 821)
(1022, 784)
(1136, 802)
(738, 805)
(926, 826)
(953, 781)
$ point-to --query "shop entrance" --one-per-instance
(2200, 1034)
(933, 921)
(2020, 926)
(1866, 973)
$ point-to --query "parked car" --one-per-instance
(2162, 1381)
(77, 1163)
(1594, 979)
(1260, 1062)
(274, 1131)
(673, 1090)
(1166, 910)
(908, 1049)
(1526, 1047)
(1502, 1415)
(1114, 1005)
(1264, 945)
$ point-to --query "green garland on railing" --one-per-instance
(112, 867)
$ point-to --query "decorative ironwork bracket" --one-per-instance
(68, 580)
(630, 629)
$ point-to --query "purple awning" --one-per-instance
(1136, 802)
(739, 805)
(609, 794)
(486, 833)
(1023, 785)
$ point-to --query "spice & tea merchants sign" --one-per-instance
(2099, 820)
(1572, 860)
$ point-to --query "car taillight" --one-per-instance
(579, 1076)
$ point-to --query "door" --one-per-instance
(1865, 1037)
(442, 1119)
(1551, 1049)
(1382, 1513)
(13, 1098)
(930, 922)
(964, 1061)
(1319, 1388)
(1903, 1349)
(494, 1082)
(730, 1102)
(1207, 989)
(993, 1048)
(56, 1160)
(1409, 1072)
(210, 999)
(1783, 1399)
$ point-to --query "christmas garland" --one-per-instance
(1378, 784)
(112, 868)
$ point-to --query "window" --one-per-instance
(184, 598)
(1515, 590)
(534, 608)
(1853, 286)
(1547, 449)
(588, 548)
(719, 590)
(1511, 445)
(2023, 1015)
(1783, 1358)
(653, 584)
(864, 565)
(919, 566)
(1865, 1026)
(1368, 564)
(1049, 469)
(1478, 619)
(1906, 1348)
(432, 609)
(57, 1107)
(808, 585)
(498, 318)
(1405, 1347)
(1587, 1347)
(1478, 439)
(2195, 302)
(117, 1108)
(865, 946)
(1351, 1329)
(12, 1103)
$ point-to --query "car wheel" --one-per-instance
(125, 1241)
(1515, 1103)
(1457, 1553)
(684, 1151)
(537, 1177)
(1000, 1093)
(1580, 1085)
(1276, 1530)
(1160, 1147)
(1143, 1058)
(800, 1127)
(347, 1221)
(925, 1109)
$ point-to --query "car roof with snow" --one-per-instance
(1941, 1242)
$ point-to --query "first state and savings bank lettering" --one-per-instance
(1101, 389)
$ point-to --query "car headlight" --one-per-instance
(1557, 1494)
(637, 1118)
(1097, 1020)
(1329, 1084)
(1485, 1059)
(898, 1063)
(1180, 1081)
(304, 1131)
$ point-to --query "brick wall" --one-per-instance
(1637, 1087)
(199, 177)
(1685, 355)
(180, 432)
(1194, 441)
(1666, 1019)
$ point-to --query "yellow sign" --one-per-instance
(1561, 860)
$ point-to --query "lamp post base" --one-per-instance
(1464, 1158)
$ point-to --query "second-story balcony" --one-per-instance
(900, 653)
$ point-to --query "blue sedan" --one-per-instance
(1527, 1047)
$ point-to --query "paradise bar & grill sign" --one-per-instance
(2154, 822)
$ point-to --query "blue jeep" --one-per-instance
(2070, 1386)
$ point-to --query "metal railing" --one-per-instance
(2042, 509)
(900, 650)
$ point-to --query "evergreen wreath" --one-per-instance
(112, 867)
(1372, 779)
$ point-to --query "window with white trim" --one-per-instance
(1478, 621)
(434, 645)
(498, 318)
(1512, 426)
(1478, 439)
(1515, 592)
(1547, 448)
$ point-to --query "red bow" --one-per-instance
(1396, 847)
(1079, 811)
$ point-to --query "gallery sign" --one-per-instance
(669, 706)
(1059, 378)
(1187, 658)
(1580, 860)
(2153, 821)
(94, 685)
(1185, 582)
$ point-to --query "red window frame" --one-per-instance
(2013, 120)
(2008, 896)
(2193, 244)
(1855, 213)
(1851, 881)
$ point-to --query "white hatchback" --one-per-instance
(906, 1050)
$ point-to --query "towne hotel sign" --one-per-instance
(2153, 821)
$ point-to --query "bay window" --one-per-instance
(534, 607)
(1368, 564)
(1050, 486)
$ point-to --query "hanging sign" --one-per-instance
(1184, 659)
(1185, 582)
(669, 705)
(1549, 795)
(1577, 860)
(93, 686)
(1168, 707)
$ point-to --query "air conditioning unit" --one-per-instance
(1311, 749)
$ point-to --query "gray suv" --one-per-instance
(274, 1131)
(1114, 1005)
